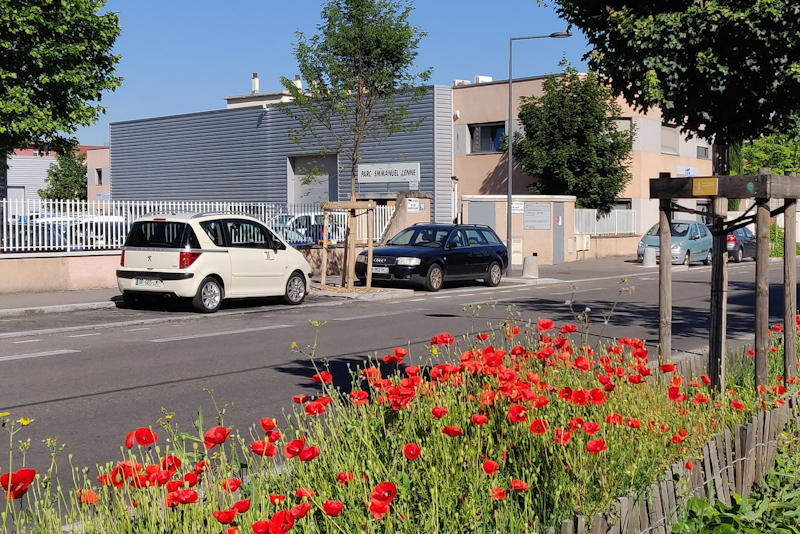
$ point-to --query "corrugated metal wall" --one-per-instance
(29, 172)
(242, 154)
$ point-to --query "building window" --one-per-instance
(669, 139)
(98, 177)
(702, 152)
(622, 204)
(486, 138)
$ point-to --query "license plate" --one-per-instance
(147, 282)
(380, 270)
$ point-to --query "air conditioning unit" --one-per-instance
(582, 242)
(459, 83)
(483, 79)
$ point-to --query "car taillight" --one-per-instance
(122, 259)
(732, 239)
(188, 258)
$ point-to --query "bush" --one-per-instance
(510, 431)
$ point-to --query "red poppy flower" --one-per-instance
(412, 451)
(562, 436)
(294, 447)
(268, 423)
(384, 493)
(544, 325)
(490, 467)
(575, 423)
(280, 523)
(301, 510)
(568, 329)
(635, 379)
(276, 500)
(700, 399)
(412, 370)
(737, 405)
(397, 357)
(273, 436)
(130, 439)
(87, 496)
(185, 496)
(452, 431)
(377, 509)
(519, 485)
(225, 517)
(706, 380)
(191, 479)
(541, 402)
(260, 527)
(216, 436)
(632, 423)
(597, 397)
(232, 530)
(231, 485)
(596, 446)
(482, 337)
(145, 437)
(264, 448)
(689, 465)
(438, 412)
(200, 467)
(332, 508)
(580, 397)
(479, 419)
(300, 399)
(667, 368)
(172, 485)
(498, 493)
(304, 492)
(443, 339)
(590, 427)
(359, 397)
(314, 408)
(323, 377)
(676, 395)
(513, 331)
(344, 478)
(487, 398)
(308, 454)
(581, 363)
(170, 463)
(538, 426)
(517, 414)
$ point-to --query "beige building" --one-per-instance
(98, 174)
(480, 112)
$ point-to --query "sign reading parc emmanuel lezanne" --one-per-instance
(371, 173)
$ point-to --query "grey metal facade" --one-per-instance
(244, 154)
(28, 172)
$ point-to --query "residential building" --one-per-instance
(98, 173)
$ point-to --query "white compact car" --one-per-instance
(208, 258)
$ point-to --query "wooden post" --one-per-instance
(790, 287)
(348, 236)
(762, 288)
(370, 223)
(351, 253)
(664, 280)
(719, 300)
(325, 248)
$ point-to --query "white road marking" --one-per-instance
(578, 291)
(87, 335)
(228, 332)
(37, 355)
(27, 341)
(371, 315)
(506, 291)
(416, 300)
(443, 297)
(467, 295)
(137, 329)
(647, 278)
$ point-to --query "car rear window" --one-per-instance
(490, 237)
(157, 234)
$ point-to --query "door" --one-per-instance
(749, 242)
(252, 259)
(457, 256)
(706, 240)
(558, 233)
(482, 213)
(480, 252)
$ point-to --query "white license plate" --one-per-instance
(380, 270)
(147, 282)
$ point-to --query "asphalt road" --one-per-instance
(89, 377)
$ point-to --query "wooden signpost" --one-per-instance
(761, 187)
(349, 261)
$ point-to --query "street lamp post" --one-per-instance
(510, 130)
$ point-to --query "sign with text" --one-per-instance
(412, 205)
(704, 187)
(536, 216)
(381, 173)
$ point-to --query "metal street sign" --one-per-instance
(704, 187)
(380, 173)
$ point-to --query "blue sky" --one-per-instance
(181, 56)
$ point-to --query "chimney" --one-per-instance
(255, 82)
(298, 82)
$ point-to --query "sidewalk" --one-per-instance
(26, 303)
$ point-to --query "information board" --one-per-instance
(536, 216)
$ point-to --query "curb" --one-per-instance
(41, 310)
(392, 294)
(532, 281)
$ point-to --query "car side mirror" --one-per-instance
(450, 246)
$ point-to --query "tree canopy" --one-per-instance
(725, 70)
(360, 77)
(55, 63)
(572, 142)
(780, 152)
(66, 178)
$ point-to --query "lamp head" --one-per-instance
(561, 35)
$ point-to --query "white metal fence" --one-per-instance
(617, 222)
(51, 225)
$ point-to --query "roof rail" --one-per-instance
(207, 213)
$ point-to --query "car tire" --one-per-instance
(435, 278)
(133, 302)
(687, 260)
(709, 258)
(209, 296)
(738, 255)
(493, 275)
(295, 289)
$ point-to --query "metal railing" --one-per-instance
(617, 222)
(53, 225)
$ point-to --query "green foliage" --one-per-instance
(572, 143)
(776, 241)
(55, 62)
(359, 75)
(779, 152)
(722, 69)
(66, 179)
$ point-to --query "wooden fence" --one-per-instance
(731, 462)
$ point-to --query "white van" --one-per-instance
(208, 258)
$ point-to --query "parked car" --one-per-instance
(310, 225)
(741, 244)
(691, 241)
(209, 258)
(431, 254)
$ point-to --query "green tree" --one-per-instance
(66, 178)
(725, 70)
(572, 143)
(780, 152)
(55, 62)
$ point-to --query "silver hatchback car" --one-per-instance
(691, 241)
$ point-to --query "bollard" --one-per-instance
(530, 266)
(649, 259)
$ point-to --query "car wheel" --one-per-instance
(737, 256)
(493, 276)
(687, 260)
(435, 278)
(295, 289)
(708, 259)
(209, 296)
(133, 302)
